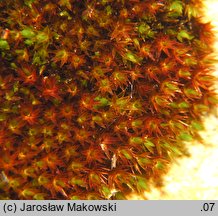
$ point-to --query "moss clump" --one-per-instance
(98, 96)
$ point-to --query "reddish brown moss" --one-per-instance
(98, 96)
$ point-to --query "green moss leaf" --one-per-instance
(29, 3)
(102, 101)
(29, 42)
(171, 148)
(137, 123)
(133, 58)
(177, 7)
(143, 28)
(190, 92)
(43, 180)
(39, 196)
(159, 165)
(185, 136)
(184, 105)
(197, 125)
(213, 99)
(183, 34)
(141, 183)
(106, 191)
(28, 33)
(119, 196)
(136, 140)
(184, 73)
(28, 192)
(200, 108)
(126, 154)
(145, 31)
(78, 181)
(75, 198)
(143, 161)
(42, 37)
(149, 145)
(4, 45)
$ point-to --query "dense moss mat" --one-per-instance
(97, 97)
